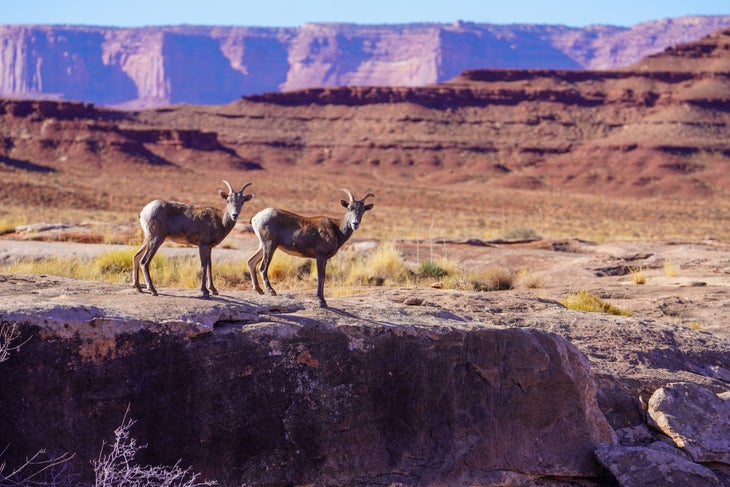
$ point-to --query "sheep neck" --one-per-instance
(345, 231)
(228, 222)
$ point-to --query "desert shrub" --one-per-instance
(384, 263)
(494, 279)
(586, 301)
(115, 466)
(671, 269)
(430, 268)
(521, 233)
(528, 280)
(638, 276)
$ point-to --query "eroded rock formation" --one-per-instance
(155, 66)
(630, 132)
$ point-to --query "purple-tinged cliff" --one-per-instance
(157, 66)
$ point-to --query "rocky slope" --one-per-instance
(647, 131)
(406, 386)
(155, 66)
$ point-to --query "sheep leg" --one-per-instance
(321, 267)
(212, 288)
(152, 247)
(252, 262)
(204, 251)
(264, 269)
(135, 264)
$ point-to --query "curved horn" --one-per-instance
(352, 198)
(230, 189)
(369, 195)
(245, 186)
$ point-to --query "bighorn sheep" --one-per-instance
(311, 237)
(196, 225)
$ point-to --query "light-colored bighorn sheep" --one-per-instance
(318, 237)
(183, 223)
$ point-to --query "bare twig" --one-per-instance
(115, 467)
(9, 333)
(37, 471)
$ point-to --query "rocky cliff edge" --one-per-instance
(394, 386)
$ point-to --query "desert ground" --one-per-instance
(684, 281)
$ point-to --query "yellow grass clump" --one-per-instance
(671, 269)
(586, 301)
(638, 276)
(494, 279)
(384, 264)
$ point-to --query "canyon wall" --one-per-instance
(157, 66)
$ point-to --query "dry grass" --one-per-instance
(382, 265)
(116, 266)
(671, 269)
(638, 276)
(530, 281)
(347, 272)
(586, 301)
(494, 279)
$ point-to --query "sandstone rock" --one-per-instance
(697, 420)
(265, 394)
(154, 66)
(285, 390)
(655, 465)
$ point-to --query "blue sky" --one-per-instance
(286, 13)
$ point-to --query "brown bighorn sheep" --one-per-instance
(196, 225)
(318, 237)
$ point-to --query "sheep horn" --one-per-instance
(352, 198)
(245, 186)
(230, 188)
(369, 195)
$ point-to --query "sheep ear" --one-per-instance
(368, 207)
(223, 194)
(247, 197)
(344, 203)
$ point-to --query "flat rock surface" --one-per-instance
(687, 282)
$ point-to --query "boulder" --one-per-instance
(696, 419)
(654, 465)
